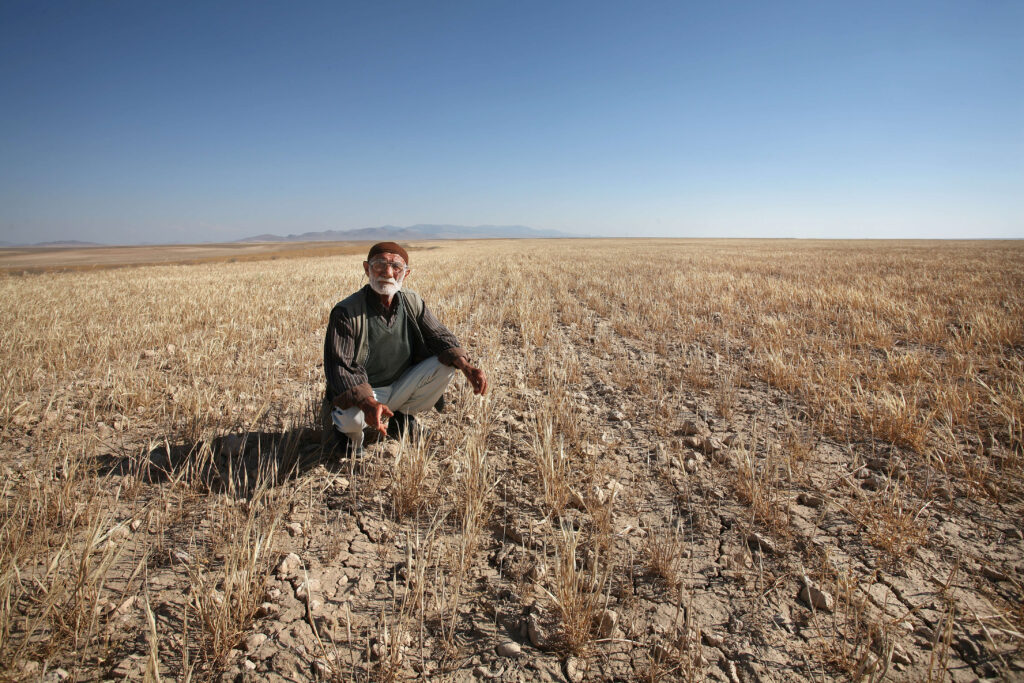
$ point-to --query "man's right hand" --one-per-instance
(375, 414)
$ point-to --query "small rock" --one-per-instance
(617, 416)
(969, 649)
(943, 494)
(322, 668)
(713, 640)
(289, 565)
(306, 588)
(692, 428)
(267, 609)
(509, 649)
(694, 442)
(136, 523)
(1013, 533)
(274, 593)
(993, 573)
(690, 465)
(606, 621)
(574, 669)
(538, 636)
(294, 529)
(900, 656)
(253, 642)
(761, 542)
(661, 653)
(711, 445)
(810, 500)
(248, 664)
(816, 598)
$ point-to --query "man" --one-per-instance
(385, 354)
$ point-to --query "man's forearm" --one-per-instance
(356, 396)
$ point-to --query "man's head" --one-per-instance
(386, 265)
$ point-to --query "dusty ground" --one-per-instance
(710, 529)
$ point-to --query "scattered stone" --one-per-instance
(294, 529)
(816, 598)
(274, 593)
(660, 653)
(509, 649)
(991, 572)
(943, 494)
(690, 465)
(693, 428)
(694, 442)
(248, 664)
(810, 500)
(1013, 533)
(730, 439)
(136, 523)
(267, 609)
(761, 542)
(574, 669)
(538, 636)
(713, 640)
(289, 565)
(617, 416)
(901, 656)
(322, 668)
(253, 642)
(606, 620)
(126, 606)
(711, 445)
(968, 649)
(306, 588)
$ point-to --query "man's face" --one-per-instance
(386, 272)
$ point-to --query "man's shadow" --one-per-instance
(237, 464)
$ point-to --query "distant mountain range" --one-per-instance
(384, 232)
(413, 232)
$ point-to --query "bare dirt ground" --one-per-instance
(699, 461)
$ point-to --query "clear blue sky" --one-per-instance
(138, 120)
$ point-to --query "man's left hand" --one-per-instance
(477, 379)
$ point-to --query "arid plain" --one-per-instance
(700, 460)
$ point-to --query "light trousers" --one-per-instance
(416, 390)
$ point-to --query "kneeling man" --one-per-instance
(386, 355)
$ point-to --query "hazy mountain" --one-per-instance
(413, 232)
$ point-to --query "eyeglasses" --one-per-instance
(380, 265)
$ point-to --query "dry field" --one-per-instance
(700, 460)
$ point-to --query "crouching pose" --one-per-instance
(386, 356)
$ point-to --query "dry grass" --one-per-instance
(913, 349)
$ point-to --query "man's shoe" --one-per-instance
(343, 445)
(401, 423)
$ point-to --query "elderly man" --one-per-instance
(386, 355)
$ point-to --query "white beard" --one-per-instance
(385, 286)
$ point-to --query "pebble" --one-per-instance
(761, 542)
(294, 529)
(253, 642)
(538, 637)
(816, 598)
(810, 500)
(574, 669)
(713, 640)
(289, 564)
(510, 649)
(606, 621)
(1013, 533)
